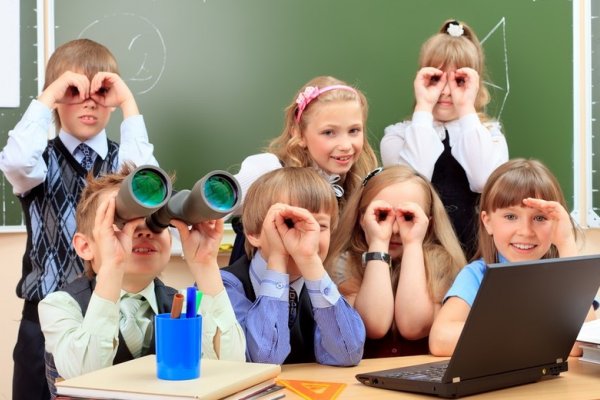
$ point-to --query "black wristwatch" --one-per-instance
(376, 255)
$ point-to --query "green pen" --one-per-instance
(198, 300)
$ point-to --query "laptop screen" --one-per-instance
(525, 314)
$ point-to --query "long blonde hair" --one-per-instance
(507, 186)
(287, 145)
(443, 49)
(443, 255)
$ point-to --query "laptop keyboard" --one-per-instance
(430, 373)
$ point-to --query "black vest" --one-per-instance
(302, 333)
(450, 181)
(81, 290)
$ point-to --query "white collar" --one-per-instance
(335, 180)
(98, 143)
(148, 293)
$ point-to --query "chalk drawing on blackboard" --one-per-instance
(500, 88)
(142, 53)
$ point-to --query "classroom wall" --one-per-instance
(12, 246)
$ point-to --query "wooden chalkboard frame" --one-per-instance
(586, 108)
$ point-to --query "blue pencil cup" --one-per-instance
(178, 347)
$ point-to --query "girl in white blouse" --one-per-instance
(450, 140)
(325, 129)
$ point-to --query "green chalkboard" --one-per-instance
(10, 215)
(212, 77)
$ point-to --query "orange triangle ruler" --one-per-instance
(313, 390)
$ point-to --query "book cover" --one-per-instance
(137, 380)
(591, 353)
(590, 332)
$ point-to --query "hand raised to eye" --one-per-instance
(377, 223)
(464, 86)
(434, 79)
(69, 88)
(428, 84)
(412, 222)
(71, 96)
(109, 90)
(101, 88)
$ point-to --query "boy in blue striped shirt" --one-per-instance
(289, 308)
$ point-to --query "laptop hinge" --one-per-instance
(456, 379)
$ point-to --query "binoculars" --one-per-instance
(148, 192)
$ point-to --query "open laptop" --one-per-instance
(522, 326)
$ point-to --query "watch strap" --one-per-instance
(376, 255)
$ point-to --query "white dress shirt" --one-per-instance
(83, 344)
(21, 159)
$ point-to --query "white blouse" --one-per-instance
(478, 147)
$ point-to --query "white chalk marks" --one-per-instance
(140, 49)
(497, 61)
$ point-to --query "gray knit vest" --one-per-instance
(50, 261)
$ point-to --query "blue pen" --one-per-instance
(190, 302)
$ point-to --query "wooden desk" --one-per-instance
(582, 381)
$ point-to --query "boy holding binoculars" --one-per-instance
(81, 322)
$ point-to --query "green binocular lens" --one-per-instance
(220, 193)
(149, 188)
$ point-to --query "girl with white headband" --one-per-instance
(450, 140)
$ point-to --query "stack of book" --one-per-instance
(589, 336)
(136, 380)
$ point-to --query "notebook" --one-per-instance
(522, 326)
(136, 380)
